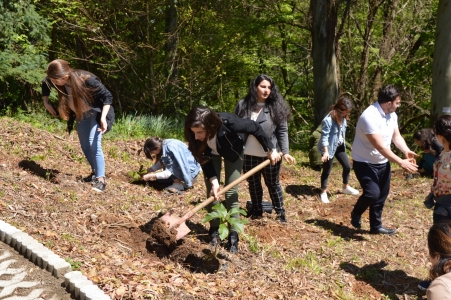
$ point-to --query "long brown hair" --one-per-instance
(201, 117)
(343, 104)
(81, 94)
(439, 243)
(152, 144)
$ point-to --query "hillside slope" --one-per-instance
(317, 255)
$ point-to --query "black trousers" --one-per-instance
(343, 159)
(271, 177)
(375, 182)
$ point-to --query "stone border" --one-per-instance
(78, 285)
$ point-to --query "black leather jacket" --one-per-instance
(230, 140)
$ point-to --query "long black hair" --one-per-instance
(425, 137)
(278, 107)
(442, 126)
(152, 144)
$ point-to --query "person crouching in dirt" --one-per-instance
(82, 97)
(180, 169)
(212, 136)
(431, 148)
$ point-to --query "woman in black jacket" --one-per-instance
(82, 97)
(212, 136)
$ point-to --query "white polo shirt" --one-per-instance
(373, 120)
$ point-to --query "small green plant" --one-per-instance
(113, 152)
(68, 237)
(37, 157)
(253, 243)
(136, 176)
(75, 265)
(308, 261)
(226, 219)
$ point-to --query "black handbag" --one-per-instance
(266, 206)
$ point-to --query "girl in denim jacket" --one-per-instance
(332, 144)
(180, 169)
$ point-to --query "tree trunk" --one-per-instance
(364, 60)
(441, 69)
(151, 81)
(324, 22)
(171, 52)
(384, 49)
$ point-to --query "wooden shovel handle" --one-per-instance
(221, 192)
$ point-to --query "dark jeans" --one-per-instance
(167, 181)
(375, 182)
(343, 159)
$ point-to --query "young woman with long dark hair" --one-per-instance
(215, 136)
(265, 105)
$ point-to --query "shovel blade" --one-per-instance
(170, 219)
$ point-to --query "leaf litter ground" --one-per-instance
(317, 255)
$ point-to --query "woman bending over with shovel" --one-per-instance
(212, 136)
(180, 169)
(265, 105)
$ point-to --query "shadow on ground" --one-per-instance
(34, 168)
(387, 282)
(342, 231)
(301, 190)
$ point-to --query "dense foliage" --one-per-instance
(164, 56)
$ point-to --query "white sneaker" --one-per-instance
(350, 191)
(175, 188)
(324, 198)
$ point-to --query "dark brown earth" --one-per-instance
(317, 255)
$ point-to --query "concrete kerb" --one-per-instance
(76, 284)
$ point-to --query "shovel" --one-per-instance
(174, 222)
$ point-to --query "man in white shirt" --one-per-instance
(376, 128)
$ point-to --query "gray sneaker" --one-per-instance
(99, 186)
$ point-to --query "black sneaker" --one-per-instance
(214, 236)
(282, 218)
(424, 285)
(90, 178)
(99, 186)
(233, 242)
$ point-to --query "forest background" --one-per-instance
(162, 57)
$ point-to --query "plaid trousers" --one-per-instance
(271, 177)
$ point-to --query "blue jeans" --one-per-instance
(91, 142)
(375, 182)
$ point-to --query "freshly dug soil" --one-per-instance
(163, 235)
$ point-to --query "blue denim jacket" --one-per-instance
(330, 135)
(179, 161)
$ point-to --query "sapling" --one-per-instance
(225, 219)
(137, 176)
